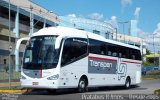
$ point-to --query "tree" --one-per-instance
(6, 68)
(148, 52)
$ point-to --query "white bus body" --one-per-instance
(61, 57)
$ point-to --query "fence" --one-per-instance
(4, 74)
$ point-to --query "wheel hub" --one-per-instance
(82, 84)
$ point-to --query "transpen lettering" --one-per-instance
(100, 64)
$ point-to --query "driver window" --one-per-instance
(74, 49)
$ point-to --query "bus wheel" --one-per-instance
(127, 83)
(82, 86)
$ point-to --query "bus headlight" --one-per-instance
(54, 77)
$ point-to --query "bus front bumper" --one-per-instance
(37, 83)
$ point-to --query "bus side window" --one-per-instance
(109, 53)
(74, 49)
(124, 56)
(102, 52)
(103, 48)
(120, 55)
(66, 52)
(114, 54)
(133, 57)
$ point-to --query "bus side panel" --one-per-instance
(133, 71)
(103, 71)
(71, 73)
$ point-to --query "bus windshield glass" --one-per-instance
(40, 53)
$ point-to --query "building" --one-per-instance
(24, 17)
(134, 28)
(152, 58)
(102, 28)
(97, 27)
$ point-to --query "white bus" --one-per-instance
(61, 57)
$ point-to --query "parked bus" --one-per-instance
(61, 57)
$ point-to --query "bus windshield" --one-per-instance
(40, 53)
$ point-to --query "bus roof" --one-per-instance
(61, 31)
(72, 32)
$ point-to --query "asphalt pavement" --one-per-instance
(144, 91)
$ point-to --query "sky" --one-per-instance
(146, 12)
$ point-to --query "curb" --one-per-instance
(6, 84)
(15, 91)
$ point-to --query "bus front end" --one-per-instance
(40, 63)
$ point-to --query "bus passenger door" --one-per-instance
(73, 60)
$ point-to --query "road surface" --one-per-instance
(144, 92)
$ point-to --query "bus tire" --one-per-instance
(127, 83)
(82, 85)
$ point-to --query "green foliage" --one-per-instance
(148, 52)
(152, 75)
(6, 68)
(157, 63)
(146, 63)
(5, 75)
(157, 92)
(12, 88)
(154, 72)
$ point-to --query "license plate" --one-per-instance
(35, 83)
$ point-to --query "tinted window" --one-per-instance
(96, 47)
(109, 49)
(107, 35)
(112, 50)
(73, 50)
(96, 32)
(122, 51)
(102, 48)
(41, 53)
(136, 54)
